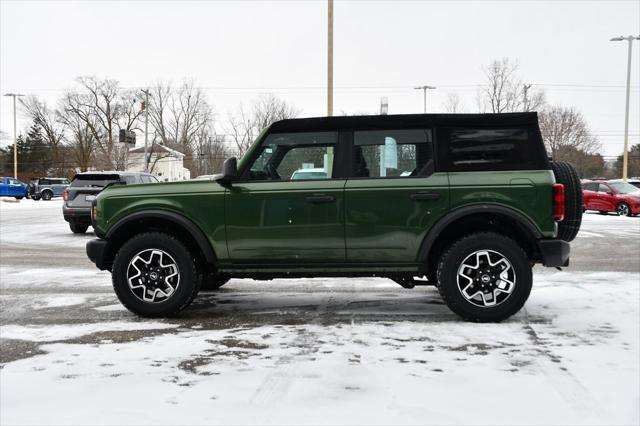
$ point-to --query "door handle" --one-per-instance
(319, 198)
(424, 196)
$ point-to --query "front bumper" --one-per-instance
(97, 253)
(554, 253)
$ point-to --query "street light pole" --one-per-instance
(330, 59)
(146, 129)
(625, 154)
(424, 90)
(15, 135)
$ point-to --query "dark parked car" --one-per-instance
(612, 196)
(471, 201)
(83, 190)
(10, 187)
(47, 187)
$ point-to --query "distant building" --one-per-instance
(165, 163)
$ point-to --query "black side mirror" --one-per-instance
(229, 170)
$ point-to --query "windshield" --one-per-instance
(99, 180)
(624, 187)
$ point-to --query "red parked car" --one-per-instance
(619, 197)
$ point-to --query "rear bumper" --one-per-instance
(79, 214)
(554, 252)
(96, 251)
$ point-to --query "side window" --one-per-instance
(468, 149)
(603, 188)
(295, 156)
(130, 180)
(591, 187)
(13, 182)
(392, 153)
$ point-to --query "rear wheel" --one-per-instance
(567, 175)
(155, 275)
(35, 197)
(47, 195)
(18, 198)
(623, 210)
(78, 228)
(484, 277)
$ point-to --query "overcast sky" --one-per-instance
(382, 48)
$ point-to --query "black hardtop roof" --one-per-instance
(402, 121)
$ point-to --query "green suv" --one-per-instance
(466, 202)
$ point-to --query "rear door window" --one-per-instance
(392, 153)
(509, 148)
(590, 187)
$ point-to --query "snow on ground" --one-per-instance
(314, 351)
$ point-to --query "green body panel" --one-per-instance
(529, 193)
(383, 223)
(372, 224)
(200, 201)
(271, 221)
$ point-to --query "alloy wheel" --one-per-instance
(153, 275)
(623, 209)
(486, 278)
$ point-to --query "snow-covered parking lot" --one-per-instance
(314, 351)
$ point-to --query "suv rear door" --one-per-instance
(270, 217)
(393, 195)
(85, 187)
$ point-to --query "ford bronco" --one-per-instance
(467, 202)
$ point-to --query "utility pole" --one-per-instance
(146, 129)
(424, 90)
(625, 154)
(15, 135)
(330, 60)
(526, 88)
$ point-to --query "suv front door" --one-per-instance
(393, 196)
(273, 218)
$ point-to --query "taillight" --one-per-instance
(65, 195)
(558, 202)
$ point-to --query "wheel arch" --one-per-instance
(478, 218)
(160, 220)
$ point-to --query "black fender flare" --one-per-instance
(441, 225)
(176, 218)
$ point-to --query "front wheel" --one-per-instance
(155, 275)
(623, 210)
(485, 277)
(47, 195)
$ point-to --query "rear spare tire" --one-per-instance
(567, 175)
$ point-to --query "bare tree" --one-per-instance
(179, 117)
(504, 90)
(105, 109)
(52, 126)
(563, 128)
(244, 126)
(453, 104)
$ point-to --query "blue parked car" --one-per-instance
(10, 187)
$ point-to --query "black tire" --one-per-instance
(189, 276)
(18, 198)
(47, 195)
(214, 281)
(78, 228)
(35, 198)
(623, 209)
(567, 175)
(451, 260)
